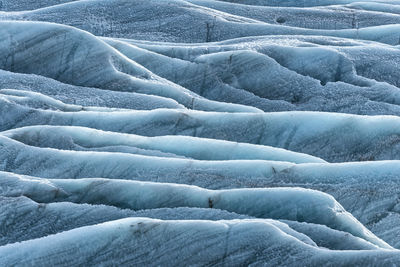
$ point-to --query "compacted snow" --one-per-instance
(199, 132)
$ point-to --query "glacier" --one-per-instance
(199, 132)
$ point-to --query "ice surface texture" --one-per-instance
(199, 132)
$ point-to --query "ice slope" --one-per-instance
(354, 15)
(20, 5)
(276, 46)
(279, 203)
(23, 219)
(178, 21)
(79, 138)
(136, 196)
(152, 242)
(236, 79)
(48, 219)
(256, 72)
(82, 96)
(334, 18)
(308, 3)
(233, 72)
(368, 189)
(147, 132)
(387, 7)
(81, 59)
(332, 137)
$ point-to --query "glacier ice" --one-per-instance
(150, 241)
(185, 146)
(333, 137)
(279, 203)
(199, 132)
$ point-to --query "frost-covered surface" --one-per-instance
(199, 132)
